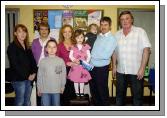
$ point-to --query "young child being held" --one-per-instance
(51, 76)
(80, 52)
(91, 35)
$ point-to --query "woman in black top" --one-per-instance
(22, 64)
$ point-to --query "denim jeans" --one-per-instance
(136, 87)
(23, 91)
(50, 99)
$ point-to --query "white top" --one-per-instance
(129, 50)
(106, 34)
(80, 47)
(43, 44)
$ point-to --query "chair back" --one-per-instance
(152, 78)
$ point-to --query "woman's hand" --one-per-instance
(31, 77)
(70, 64)
(39, 93)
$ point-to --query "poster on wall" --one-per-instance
(55, 34)
(67, 17)
(55, 19)
(94, 16)
(80, 19)
(39, 17)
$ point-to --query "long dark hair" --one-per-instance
(24, 28)
(77, 33)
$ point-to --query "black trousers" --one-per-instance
(69, 91)
(99, 86)
(121, 89)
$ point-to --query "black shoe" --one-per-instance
(77, 96)
(82, 95)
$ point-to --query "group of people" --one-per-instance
(56, 66)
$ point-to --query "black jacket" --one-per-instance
(22, 62)
(91, 39)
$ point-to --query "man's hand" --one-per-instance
(114, 70)
(39, 93)
(140, 74)
(145, 57)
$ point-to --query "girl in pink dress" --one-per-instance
(78, 74)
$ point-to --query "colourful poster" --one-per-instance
(55, 34)
(39, 17)
(94, 16)
(80, 19)
(55, 19)
(68, 17)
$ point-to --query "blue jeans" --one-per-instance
(23, 91)
(50, 99)
(136, 87)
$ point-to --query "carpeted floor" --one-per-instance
(9, 101)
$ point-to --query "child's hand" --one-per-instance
(71, 64)
(76, 61)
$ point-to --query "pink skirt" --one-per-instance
(78, 74)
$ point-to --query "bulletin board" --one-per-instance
(78, 19)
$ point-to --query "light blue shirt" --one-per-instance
(103, 49)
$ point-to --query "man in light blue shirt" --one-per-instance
(102, 51)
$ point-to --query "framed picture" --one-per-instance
(80, 19)
(67, 17)
(94, 16)
(39, 17)
(55, 19)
